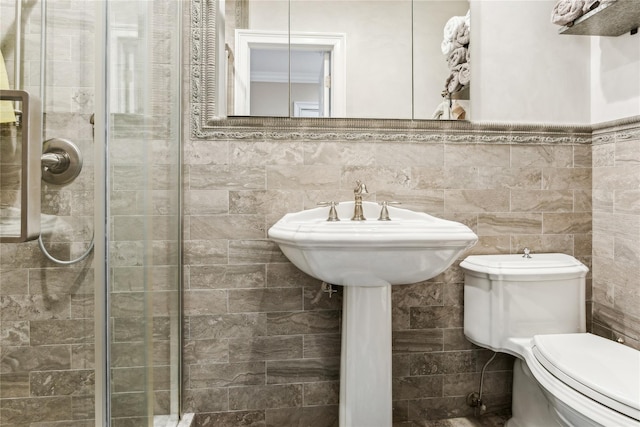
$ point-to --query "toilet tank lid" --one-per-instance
(604, 370)
(516, 265)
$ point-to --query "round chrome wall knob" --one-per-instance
(61, 161)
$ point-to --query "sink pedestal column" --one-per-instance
(365, 365)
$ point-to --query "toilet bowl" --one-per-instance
(534, 308)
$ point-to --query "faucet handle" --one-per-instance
(333, 214)
(361, 188)
(384, 212)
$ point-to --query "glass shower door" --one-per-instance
(94, 342)
(144, 210)
(47, 369)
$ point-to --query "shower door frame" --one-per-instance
(101, 269)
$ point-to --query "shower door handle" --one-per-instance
(31, 151)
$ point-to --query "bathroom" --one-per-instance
(550, 160)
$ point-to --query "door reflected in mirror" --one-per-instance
(383, 59)
(280, 74)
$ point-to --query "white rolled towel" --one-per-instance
(449, 33)
(462, 35)
(464, 73)
(457, 56)
(452, 85)
(567, 11)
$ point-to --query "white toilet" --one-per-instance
(534, 308)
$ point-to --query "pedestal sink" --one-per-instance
(367, 258)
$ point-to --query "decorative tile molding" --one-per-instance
(282, 128)
(623, 129)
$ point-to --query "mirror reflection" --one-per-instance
(397, 59)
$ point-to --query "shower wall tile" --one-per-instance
(56, 383)
(227, 374)
(16, 412)
(206, 351)
(265, 348)
(616, 231)
(34, 307)
(417, 340)
(321, 393)
(205, 302)
(513, 195)
(417, 387)
(14, 281)
(321, 346)
(227, 326)
(14, 385)
(320, 416)
(265, 397)
(48, 332)
(206, 400)
(14, 333)
(231, 419)
(261, 300)
(227, 276)
(24, 359)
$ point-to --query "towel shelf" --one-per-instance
(609, 19)
(26, 225)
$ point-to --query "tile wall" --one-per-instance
(262, 343)
(616, 231)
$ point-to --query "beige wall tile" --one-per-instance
(542, 156)
(476, 201)
(513, 178)
(309, 177)
(249, 153)
(333, 153)
(566, 223)
(566, 179)
(405, 154)
(486, 155)
(542, 201)
(501, 224)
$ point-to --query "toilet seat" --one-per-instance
(571, 358)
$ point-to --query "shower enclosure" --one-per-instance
(90, 268)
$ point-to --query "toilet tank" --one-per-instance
(511, 296)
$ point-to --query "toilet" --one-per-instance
(533, 307)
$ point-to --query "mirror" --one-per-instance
(383, 59)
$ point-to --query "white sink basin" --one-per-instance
(367, 257)
(410, 248)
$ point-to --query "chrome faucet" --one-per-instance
(358, 215)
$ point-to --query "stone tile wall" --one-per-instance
(262, 342)
(616, 231)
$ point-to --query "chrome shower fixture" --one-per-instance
(61, 161)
